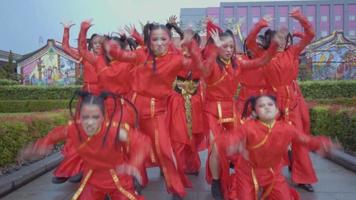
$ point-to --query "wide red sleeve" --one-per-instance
(209, 55)
(83, 49)
(66, 46)
(132, 57)
(54, 136)
(307, 36)
(252, 36)
(138, 37)
(139, 148)
(244, 63)
(194, 62)
(313, 143)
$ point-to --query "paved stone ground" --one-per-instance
(335, 183)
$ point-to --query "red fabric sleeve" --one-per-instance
(251, 38)
(140, 148)
(137, 37)
(210, 53)
(313, 143)
(54, 136)
(66, 47)
(83, 49)
(308, 33)
(260, 61)
(124, 56)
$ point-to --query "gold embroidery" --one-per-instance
(264, 140)
(217, 81)
(152, 107)
(116, 180)
(82, 185)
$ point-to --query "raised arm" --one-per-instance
(308, 31)
(252, 36)
(260, 61)
(65, 42)
(321, 144)
(134, 33)
(121, 55)
(172, 24)
(83, 49)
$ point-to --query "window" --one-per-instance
(324, 18)
(282, 19)
(324, 33)
(352, 17)
(255, 19)
(310, 18)
(337, 18)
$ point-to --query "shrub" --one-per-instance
(14, 106)
(338, 123)
(21, 92)
(16, 131)
(328, 89)
(8, 82)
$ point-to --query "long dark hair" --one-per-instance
(228, 33)
(147, 30)
(171, 26)
(90, 41)
(250, 104)
(270, 34)
(89, 99)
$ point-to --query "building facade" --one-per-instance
(49, 65)
(326, 16)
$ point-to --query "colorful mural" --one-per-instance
(48, 66)
(332, 57)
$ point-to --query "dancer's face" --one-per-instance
(227, 48)
(159, 41)
(97, 42)
(281, 38)
(266, 109)
(91, 119)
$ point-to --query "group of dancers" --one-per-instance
(146, 102)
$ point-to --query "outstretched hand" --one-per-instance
(295, 12)
(172, 19)
(67, 24)
(86, 24)
(215, 35)
(268, 18)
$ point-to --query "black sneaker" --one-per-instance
(59, 180)
(138, 186)
(216, 190)
(192, 173)
(76, 178)
(306, 187)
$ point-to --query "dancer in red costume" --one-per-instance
(112, 151)
(157, 67)
(252, 81)
(185, 112)
(281, 73)
(263, 142)
(88, 55)
(220, 71)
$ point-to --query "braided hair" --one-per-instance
(147, 30)
(89, 99)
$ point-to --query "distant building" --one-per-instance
(49, 65)
(332, 57)
(325, 15)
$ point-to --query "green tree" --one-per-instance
(8, 71)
